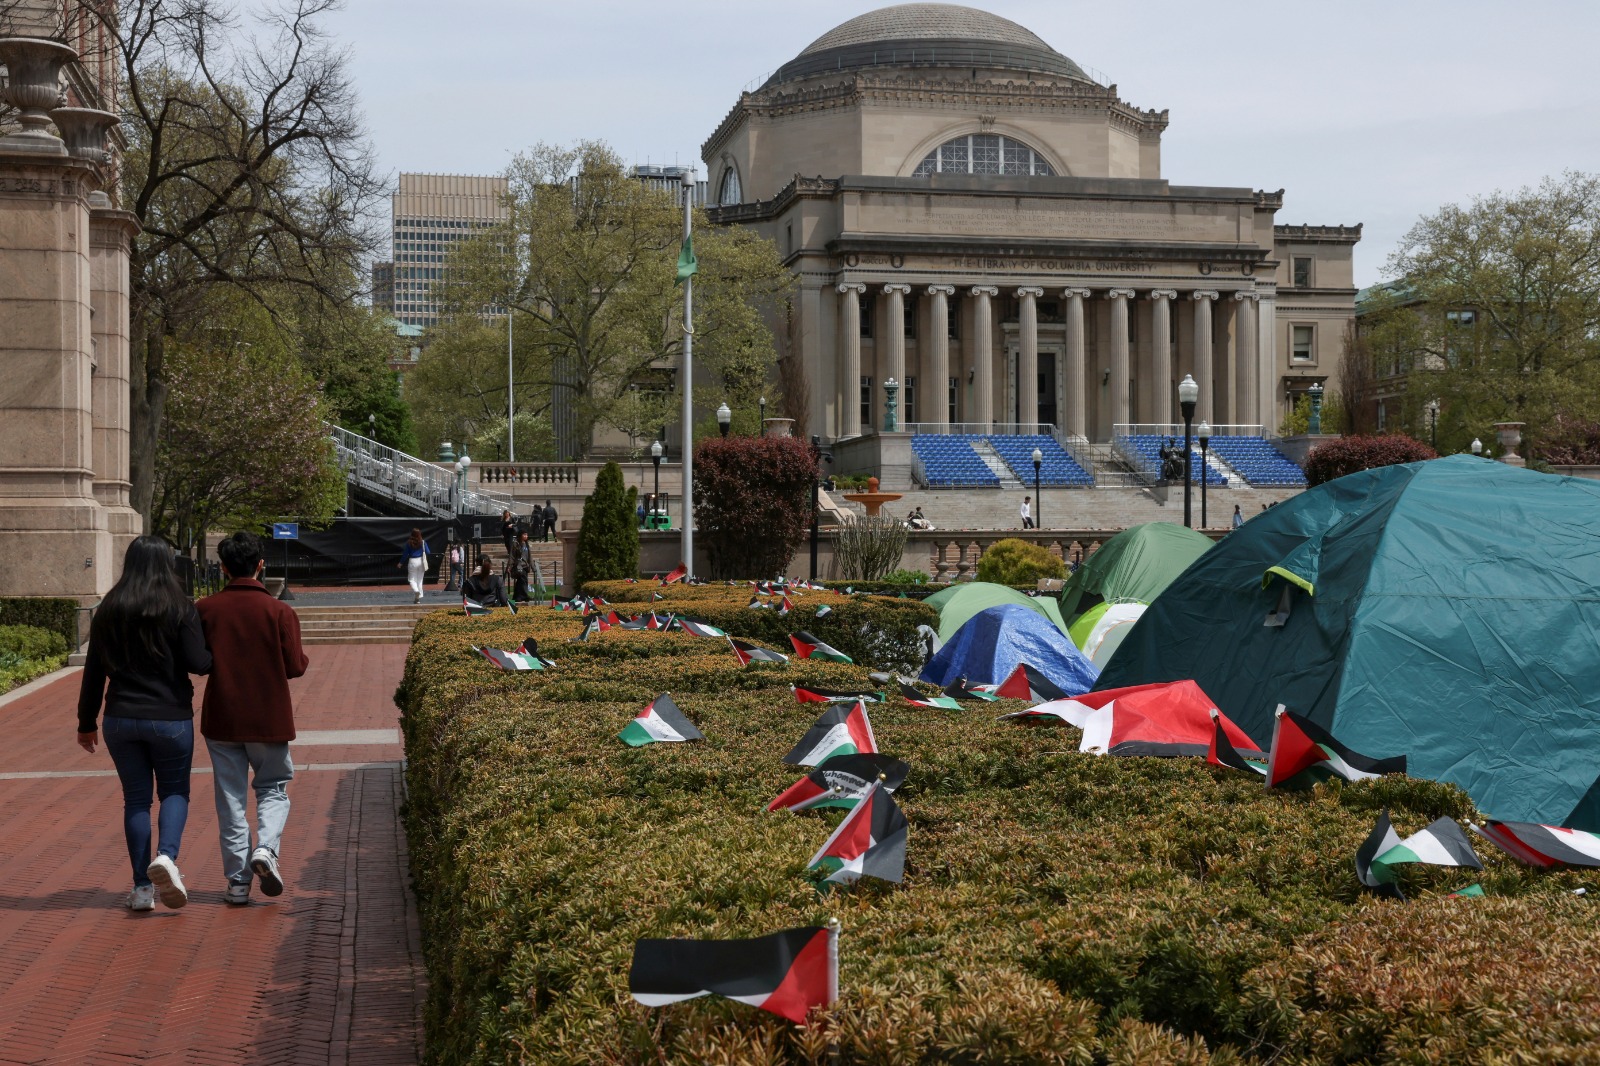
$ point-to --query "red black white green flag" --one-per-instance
(841, 782)
(531, 647)
(513, 661)
(870, 842)
(1304, 753)
(656, 597)
(785, 607)
(662, 721)
(473, 607)
(787, 973)
(748, 653)
(837, 731)
(1441, 843)
(678, 573)
(807, 646)
(1543, 845)
(919, 699)
(962, 689)
(824, 611)
(807, 694)
(1026, 683)
(700, 629)
(1224, 753)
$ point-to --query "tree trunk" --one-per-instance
(147, 401)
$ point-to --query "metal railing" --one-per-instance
(404, 479)
(1155, 429)
(980, 429)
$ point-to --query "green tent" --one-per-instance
(1133, 566)
(1448, 611)
(958, 603)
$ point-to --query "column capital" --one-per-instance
(856, 287)
(1247, 295)
(1163, 294)
(1082, 294)
(941, 290)
(1029, 290)
(1120, 294)
(984, 290)
(1204, 294)
(897, 287)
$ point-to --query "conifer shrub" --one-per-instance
(1014, 561)
(1347, 455)
(608, 540)
(752, 503)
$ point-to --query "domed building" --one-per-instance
(974, 217)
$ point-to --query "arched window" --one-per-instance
(983, 153)
(728, 192)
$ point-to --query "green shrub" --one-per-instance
(56, 615)
(27, 652)
(608, 540)
(906, 577)
(1013, 561)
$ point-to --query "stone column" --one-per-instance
(937, 362)
(1161, 355)
(983, 355)
(850, 357)
(1202, 352)
(1267, 355)
(1247, 372)
(1028, 355)
(895, 365)
(1074, 418)
(1120, 415)
(110, 232)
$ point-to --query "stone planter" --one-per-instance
(33, 87)
(1510, 435)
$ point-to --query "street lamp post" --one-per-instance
(1477, 446)
(819, 457)
(1314, 424)
(1205, 466)
(1433, 424)
(724, 418)
(891, 406)
(1038, 499)
(1188, 396)
(762, 431)
(461, 480)
(656, 452)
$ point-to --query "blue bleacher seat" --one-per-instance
(950, 462)
(1057, 468)
(1147, 448)
(1257, 461)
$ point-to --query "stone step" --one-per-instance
(396, 628)
(354, 638)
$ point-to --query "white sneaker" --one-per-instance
(237, 895)
(265, 866)
(142, 898)
(168, 882)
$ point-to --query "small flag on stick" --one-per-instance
(842, 781)
(748, 653)
(837, 731)
(1543, 845)
(1304, 753)
(917, 699)
(787, 973)
(806, 694)
(807, 646)
(662, 721)
(870, 842)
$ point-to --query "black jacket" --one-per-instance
(487, 591)
(146, 688)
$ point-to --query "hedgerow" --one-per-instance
(1056, 908)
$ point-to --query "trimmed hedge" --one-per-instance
(1057, 907)
(27, 652)
(54, 614)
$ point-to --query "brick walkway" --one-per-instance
(329, 972)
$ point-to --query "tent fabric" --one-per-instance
(958, 603)
(1133, 567)
(995, 640)
(1098, 632)
(1448, 611)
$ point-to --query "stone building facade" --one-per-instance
(972, 215)
(65, 516)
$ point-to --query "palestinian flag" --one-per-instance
(700, 629)
(598, 601)
(678, 573)
(870, 842)
(837, 731)
(635, 623)
(656, 597)
(514, 661)
(531, 647)
(841, 782)
(917, 699)
(787, 973)
(959, 689)
(1303, 753)
(1223, 753)
(559, 604)
(582, 638)
(1473, 891)
(807, 646)
(661, 721)
(824, 611)
(755, 604)
(804, 694)
(748, 653)
(1440, 844)
(655, 621)
(614, 618)
(1543, 845)
(785, 607)
(473, 607)
(1026, 683)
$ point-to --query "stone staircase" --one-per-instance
(367, 623)
(991, 459)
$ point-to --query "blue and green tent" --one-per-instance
(1448, 611)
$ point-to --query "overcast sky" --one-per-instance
(1372, 112)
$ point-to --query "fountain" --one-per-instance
(872, 499)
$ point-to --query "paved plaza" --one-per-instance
(329, 972)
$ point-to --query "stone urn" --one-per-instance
(1510, 434)
(33, 87)
(777, 427)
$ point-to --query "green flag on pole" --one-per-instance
(688, 266)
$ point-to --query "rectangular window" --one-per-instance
(867, 304)
(955, 384)
(985, 153)
(908, 401)
(953, 320)
(866, 402)
(1300, 345)
(911, 318)
(788, 239)
(1383, 417)
(1302, 272)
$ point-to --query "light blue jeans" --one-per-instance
(231, 765)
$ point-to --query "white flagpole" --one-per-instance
(687, 506)
(511, 401)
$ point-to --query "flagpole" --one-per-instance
(687, 491)
(511, 400)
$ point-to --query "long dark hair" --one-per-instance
(144, 605)
(416, 539)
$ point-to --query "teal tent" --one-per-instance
(1448, 611)
(958, 603)
(1133, 566)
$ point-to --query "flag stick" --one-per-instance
(687, 492)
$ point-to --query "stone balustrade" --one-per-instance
(526, 473)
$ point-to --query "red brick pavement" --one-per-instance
(329, 972)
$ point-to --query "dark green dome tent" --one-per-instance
(1447, 610)
(1133, 567)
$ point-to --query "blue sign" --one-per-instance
(286, 531)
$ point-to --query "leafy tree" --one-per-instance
(1298, 420)
(1347, 455)
(1570, 442)
(1014, 561)
(752, 502)
(608, 540)
(457, 390)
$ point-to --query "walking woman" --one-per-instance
(416, 563)
(521, 567)
(146, 640)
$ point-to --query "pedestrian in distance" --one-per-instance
(145, 641)
(535, 524)
(247, 715)
(1238, 519)
(549, 520)
(457, 573)
(508, 530)
(1026, 511)
(415, 562)
(485, 587)
(521, 567)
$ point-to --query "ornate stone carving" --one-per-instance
(1246, 295)
(1163, 294)
(1029, 290)
(84, 130)
(984, 290)
(852, 286)
(38, 186)
(1204, 294)
(1082, 294)
(33, 87)
(941, 290)
(897, 287)
(1120, 294)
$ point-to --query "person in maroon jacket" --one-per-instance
(247, 716)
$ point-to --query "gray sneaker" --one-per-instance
(238, 895)
(142, 898)
(265, 866)
(168, 882)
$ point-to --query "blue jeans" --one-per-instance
(273, 770)
(144, 751)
